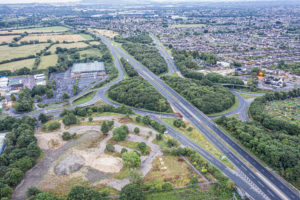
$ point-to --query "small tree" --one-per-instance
(142, 147)
(135, 177)
(136, 130)
(65, 96)
(132, 192)
(104, 128)
(172, 143)
(13, 98)
(124, 150)
(53, 126)
(90, 119)
(32, 191)
(131, 159)
(158, 136)
(138, 119)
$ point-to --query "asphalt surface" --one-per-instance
(210, 130)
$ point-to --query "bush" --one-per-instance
(66, 136)
(131, 192)
(158, 136)
(53, 126)
(167, 186)
(90, 119)
(190, 129)
(142, 147)
(194, 181)
(124, 150)
(172, 143)
(136, 130)
(110, 148)
(32, 191)
(104, 128)
(120, 133)
(131, 159)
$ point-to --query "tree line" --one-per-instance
(140, 47)
(138, 93)
(205, 95)
(131, 72)
(20, 153)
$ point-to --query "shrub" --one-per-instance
(131, 192)
(90, 119)
(172, 143)
(53, 126)
(167, 186)
(131, 159)
(136, 130)
(124, 150)
(32, 191)
(66, 136)
(189, 129)
(158, 136)
(110, 148)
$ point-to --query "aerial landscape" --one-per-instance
(150, 100)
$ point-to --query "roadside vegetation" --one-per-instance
(273, 140)
(141, 48)
(138, 93)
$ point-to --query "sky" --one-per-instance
(54, 1)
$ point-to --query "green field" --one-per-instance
(90, 52)
(17, 65)
(38, 29)
(7, 53)
(288, 109)
(47, 61)
(84, 99)
(68, 46)
(87, 37)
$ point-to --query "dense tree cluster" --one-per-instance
(128, 68)
(277, 148)
(257, 111)
(209, 58)
(138, 93)
(24, 102)
(142, 38)
(207, 97)
(20, 154)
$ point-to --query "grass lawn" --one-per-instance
(129, 144)
(248, 96)
(199, 139)
(171, 169)
(68, 46)
(17, 65)
(7, 53)
(87, 37)
(47, 61)
(192, 193)
(233, 107)
(84, 99)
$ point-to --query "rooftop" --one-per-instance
(88, 67)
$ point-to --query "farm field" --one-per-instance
(68, 46)
(17, 64)
(7, 53)
(7, 38)
(35, 30)
(87, 37)
(288, 109)
(94, 43)
(54, 38)
(90, 52)
(47, 61)
(106, 33)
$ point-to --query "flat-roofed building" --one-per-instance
(88, 70)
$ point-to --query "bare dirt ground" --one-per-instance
(94, 166)
(54, 38)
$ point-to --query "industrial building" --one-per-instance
(39, 79)
(88, 70)
(15, 85)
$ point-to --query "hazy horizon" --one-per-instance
(66, 1)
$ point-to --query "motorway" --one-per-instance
(212, 132)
